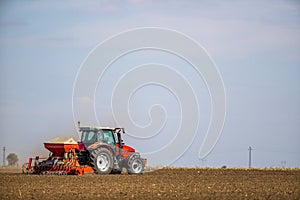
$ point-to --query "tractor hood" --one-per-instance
(126, 148)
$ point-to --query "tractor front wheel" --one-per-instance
(101, 161)
(135, 164)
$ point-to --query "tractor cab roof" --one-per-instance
(87, 128)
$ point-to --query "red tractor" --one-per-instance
(101, 150)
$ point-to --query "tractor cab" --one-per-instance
(91, 136)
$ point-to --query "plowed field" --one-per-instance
(160, 184)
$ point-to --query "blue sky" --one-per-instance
(255, 44)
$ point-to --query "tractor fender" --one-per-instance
(102, 145)
(132, 155)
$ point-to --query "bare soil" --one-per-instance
(160, 184)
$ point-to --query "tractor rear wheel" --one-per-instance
(135, 164)
(101, 161)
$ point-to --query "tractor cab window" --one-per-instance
(88, 137)
(106, 136)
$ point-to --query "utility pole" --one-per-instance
(3, 156)
(250, 149)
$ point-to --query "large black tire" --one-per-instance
(135, 164)
(101, 160)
